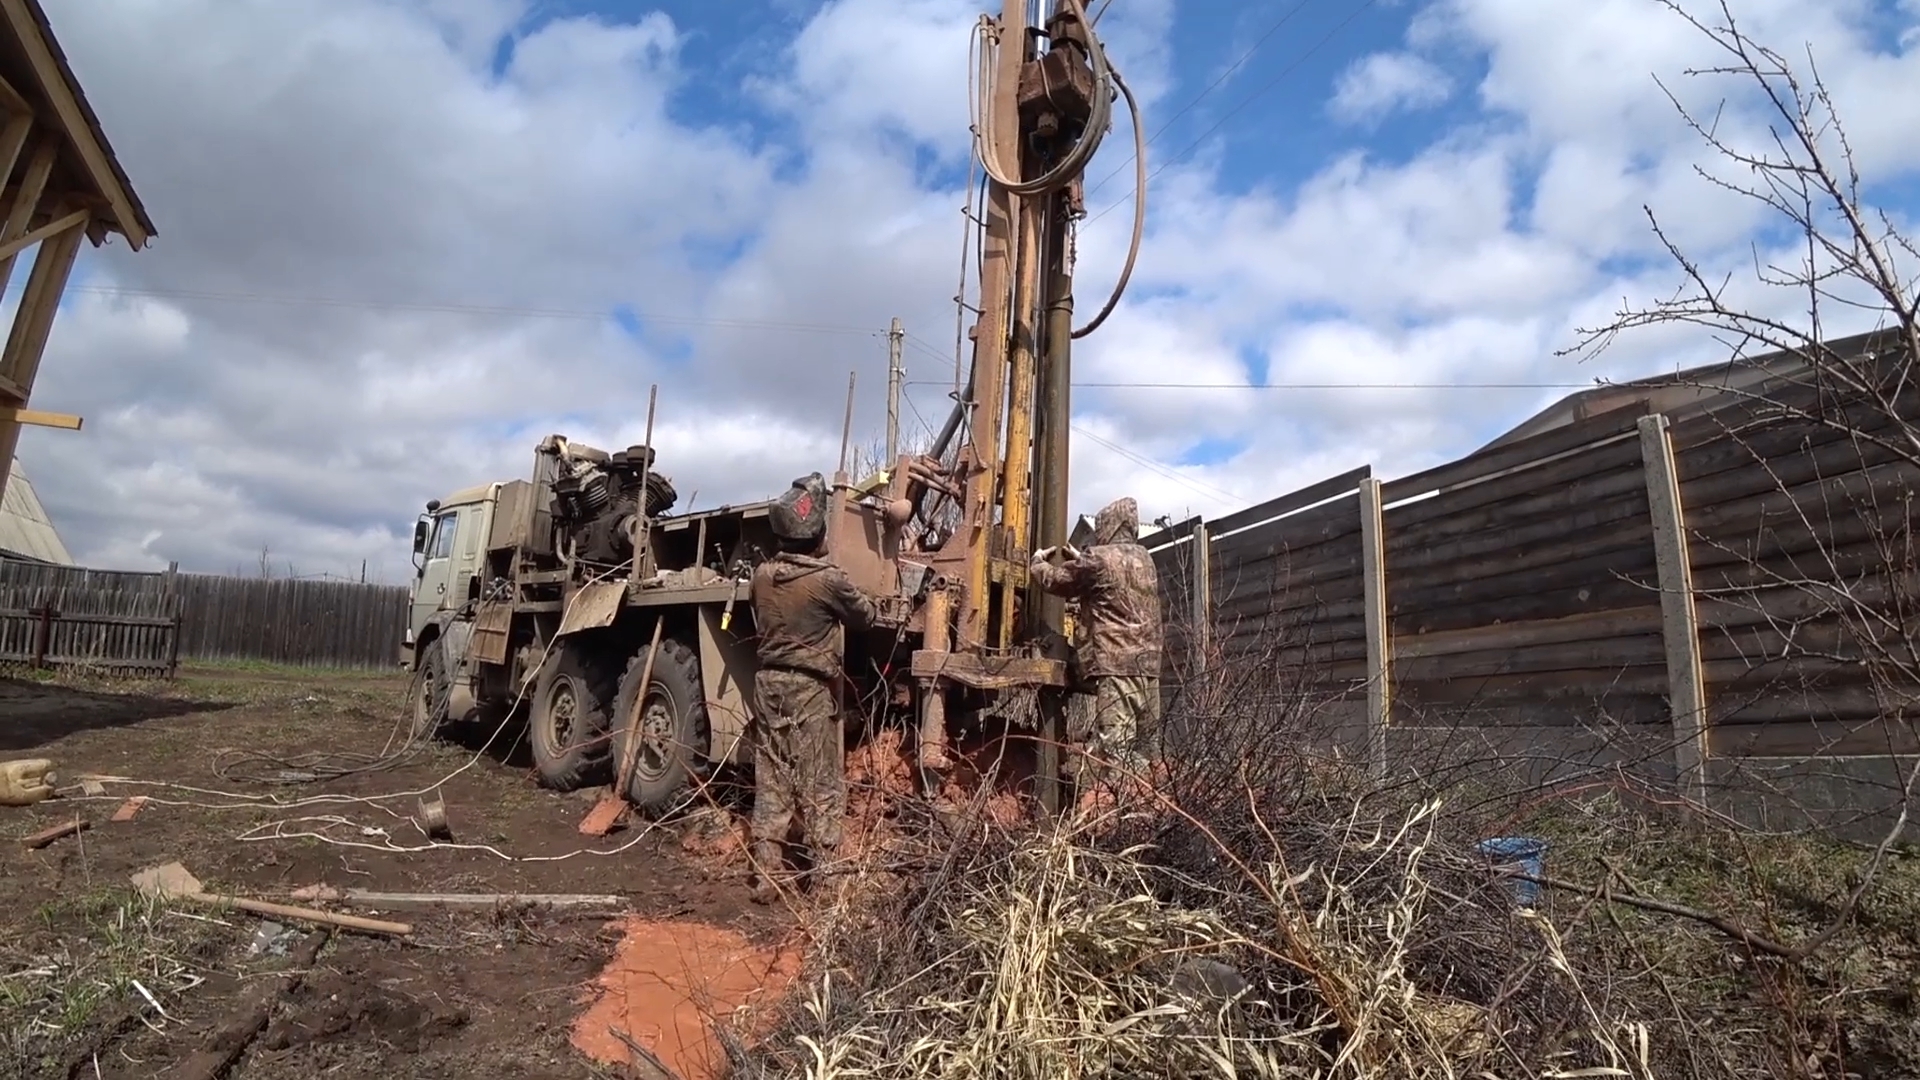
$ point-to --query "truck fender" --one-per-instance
(727, 667)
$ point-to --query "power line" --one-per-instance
(1196, 486)
(1215, 85)
(1317, 386)
(1244, 102)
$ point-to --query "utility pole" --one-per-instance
(895, 373)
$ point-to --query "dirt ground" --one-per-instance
(98, 979)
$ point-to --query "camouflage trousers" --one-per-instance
(799, 781)
(1120, 725)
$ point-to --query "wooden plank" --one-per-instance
(1507, 493)
(1836, 461)
(1816, 739)
(1626, 548)
(1595, 686)
(1487, 597)
(1411, 709)
(1584, 434)
(1430, 544)
(1797, 403)
(1317, 525)
(1290, 502)
(1583, 627)
(1679, 622)
(75, 220)
(1379, 637)
(1604, 654)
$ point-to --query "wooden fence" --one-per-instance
(1713, 582)
(149, 621)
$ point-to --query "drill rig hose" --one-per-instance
(1074, 162)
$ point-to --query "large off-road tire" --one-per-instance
(568, 721)
(429, 693)
(674, 734)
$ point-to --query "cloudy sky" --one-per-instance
(402, 240)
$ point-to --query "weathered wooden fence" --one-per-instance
(1733, 584)
(149, 621)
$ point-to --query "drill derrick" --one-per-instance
(1045, 104)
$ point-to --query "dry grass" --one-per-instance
(1265, 912)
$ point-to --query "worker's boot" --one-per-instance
(769, 861)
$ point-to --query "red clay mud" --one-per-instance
(671, 983)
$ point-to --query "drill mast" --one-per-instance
(1045, 103)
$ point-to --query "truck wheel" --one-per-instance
(429, 693)
(567, 725)
(674, 735)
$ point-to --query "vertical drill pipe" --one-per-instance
(1054, 413)
(1017, 501)
(933, 703)
(642, 521)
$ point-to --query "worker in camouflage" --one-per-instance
(802, 605)
(1119, 598)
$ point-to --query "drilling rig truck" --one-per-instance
(554, 598)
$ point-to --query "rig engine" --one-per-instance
(596, 499)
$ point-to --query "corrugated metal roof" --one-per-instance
(25, 530)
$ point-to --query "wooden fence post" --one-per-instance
(1200, 635)
(1679, 623)
(1373, 569)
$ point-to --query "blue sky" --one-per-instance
(392, 258)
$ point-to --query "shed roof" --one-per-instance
(35, 68)
(1683, 393)
(25, 530)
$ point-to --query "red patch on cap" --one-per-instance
(803, 506)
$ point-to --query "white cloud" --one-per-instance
(1381, 83)
(381, 161)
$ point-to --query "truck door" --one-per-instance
(430, 590)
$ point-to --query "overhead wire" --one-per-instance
(1196, 486)
(1079, 385)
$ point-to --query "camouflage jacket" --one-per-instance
(1119, 593)
(800, 605)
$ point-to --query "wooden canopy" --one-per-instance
(62, 185)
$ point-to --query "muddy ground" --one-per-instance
(479, 993)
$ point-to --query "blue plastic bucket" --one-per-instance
(1518, 854)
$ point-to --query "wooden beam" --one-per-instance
(31, 323)
(1200, 630)
(1679, 621)
(12, 101)
(66, 107)
(1373, 558)
(13, 139)
(26, 199)
(75, 220)
(37, 418)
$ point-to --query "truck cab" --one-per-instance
(449, 552)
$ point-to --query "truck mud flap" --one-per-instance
(593, 606)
